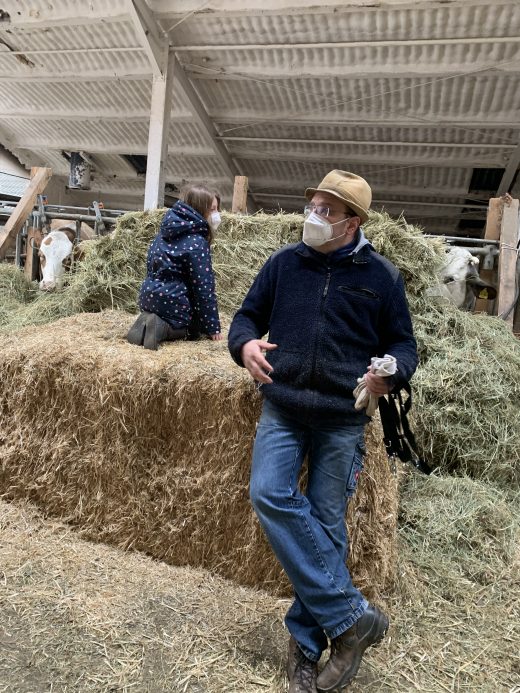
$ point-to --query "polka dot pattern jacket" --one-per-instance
(180, 284)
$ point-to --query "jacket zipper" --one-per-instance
(322, 303)
(326, 290)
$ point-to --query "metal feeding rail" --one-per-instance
(96, 215)
(488, 250)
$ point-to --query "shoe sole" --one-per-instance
(381, 630)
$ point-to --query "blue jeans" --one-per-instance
(307, 532)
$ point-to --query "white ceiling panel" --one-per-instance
(422, 98)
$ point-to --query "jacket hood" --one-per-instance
(182, 220)
(362, 241)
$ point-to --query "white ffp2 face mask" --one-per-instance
(317, 231)
(214, 221)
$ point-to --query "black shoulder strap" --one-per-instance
(398, 437)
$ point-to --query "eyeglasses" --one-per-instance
(320, 210)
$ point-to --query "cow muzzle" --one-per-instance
(48, 285)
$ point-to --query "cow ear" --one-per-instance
(485, 292)
(71, 235)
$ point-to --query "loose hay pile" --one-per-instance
(15, 291)
(458, 595)
(83, 617)
(152, 451)
(467, 388)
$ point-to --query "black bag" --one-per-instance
(398, 438)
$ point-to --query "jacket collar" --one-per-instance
(360, 255)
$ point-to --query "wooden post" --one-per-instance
(39, 179)
(239, 205)
(492, 233)
(507, 260)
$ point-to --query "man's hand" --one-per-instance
(376, 384)
(254, 360)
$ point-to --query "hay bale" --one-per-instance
(151, 451)
(467, 413)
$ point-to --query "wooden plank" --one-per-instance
(39, 179)
(507, 260)
(239, 205)
(34, 239)
(492, 233)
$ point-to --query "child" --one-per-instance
(177, 297)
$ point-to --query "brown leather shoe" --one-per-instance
(348, 649)
(301, 671)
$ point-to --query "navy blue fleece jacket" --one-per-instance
(328, 314)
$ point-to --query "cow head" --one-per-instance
(461, 279)
(55, 255)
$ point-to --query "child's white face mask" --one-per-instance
(214, 221)
(318, 231)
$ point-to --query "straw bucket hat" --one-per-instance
(353, 190)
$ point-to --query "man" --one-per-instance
(329, 303)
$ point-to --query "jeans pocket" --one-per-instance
(355, 471)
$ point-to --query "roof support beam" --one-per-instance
(160, 109)
(345, 44)
(301, 67)
(239, 8)
(242, 122)
(295, 140)
(359, 158)
(409, 203)
(510, 172)
(68, 145)
(39, 75)
(149, 35)
(206, 123)
(138, 116)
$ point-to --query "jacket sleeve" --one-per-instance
(397, 335)
(202, 284)
(252, 319)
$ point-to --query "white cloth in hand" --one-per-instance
(380, 365)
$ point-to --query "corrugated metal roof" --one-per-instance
(414, 96)
(11, 185)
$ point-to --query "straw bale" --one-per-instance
(151, 451)
(467, 394)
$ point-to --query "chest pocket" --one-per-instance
(359, 292)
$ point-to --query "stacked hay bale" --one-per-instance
(467, 397)
(152, 451)
(466, 416)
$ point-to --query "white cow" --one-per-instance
(460, 280)
(56, 251)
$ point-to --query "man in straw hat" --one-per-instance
(329, 304)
